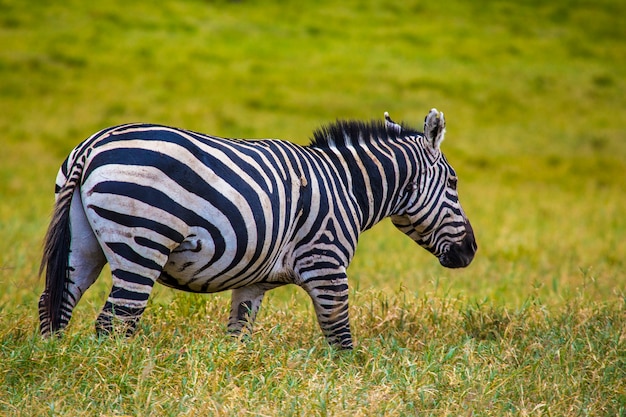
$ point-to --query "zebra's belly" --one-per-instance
(197, 265)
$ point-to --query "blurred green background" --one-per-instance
(534, 95)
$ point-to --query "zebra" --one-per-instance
(205, 214)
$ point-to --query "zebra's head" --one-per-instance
(430, 212)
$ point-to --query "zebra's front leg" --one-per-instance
(330, 300)
(245, 304)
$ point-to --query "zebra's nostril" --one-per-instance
(457, 256)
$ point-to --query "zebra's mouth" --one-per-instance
(451, 259)
(461, 254)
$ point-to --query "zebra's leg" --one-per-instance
(134, 270)
(245, 304)
(126, 302)
(85, 263)
(329, 294)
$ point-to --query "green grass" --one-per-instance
(534, 96)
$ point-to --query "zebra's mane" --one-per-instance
(344, 133)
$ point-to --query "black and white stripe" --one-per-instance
(207, 214)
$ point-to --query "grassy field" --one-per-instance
(535, 97)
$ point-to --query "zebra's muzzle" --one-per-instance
(460, 254)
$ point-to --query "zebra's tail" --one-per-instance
(55, 259)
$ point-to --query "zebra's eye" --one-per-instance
(411, 187)
(452, 183)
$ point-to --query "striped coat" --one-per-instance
(206, 214)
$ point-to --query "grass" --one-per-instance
(533, 96)
(418, 355)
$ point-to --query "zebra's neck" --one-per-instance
(377, 180)
(374, 163)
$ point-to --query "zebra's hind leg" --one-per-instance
(245, 304)
(134, 270)
(126, 303)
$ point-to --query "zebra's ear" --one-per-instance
(435, 128)
(391, 125)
